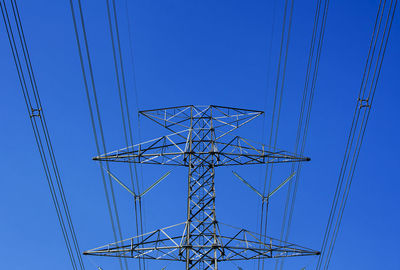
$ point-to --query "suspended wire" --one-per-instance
(138, 202)
(41, 133)
(262, 206)
(120, 76)
(364, 122)
(96, 118)
(132, 59)
(317, 38)
(338, 188)
(277, 104)
(356, 114)
(357, 129)
(268, 74)
(124, 105)
(122, 110)
(135, 90)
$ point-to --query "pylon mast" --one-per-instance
(201, 146)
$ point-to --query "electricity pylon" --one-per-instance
(198, 141)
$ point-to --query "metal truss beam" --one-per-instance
(172, 150)
(169, 244)
(199, 142)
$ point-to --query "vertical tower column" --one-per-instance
(201, 234)
(199, 141)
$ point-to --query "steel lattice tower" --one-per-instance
(198, 141)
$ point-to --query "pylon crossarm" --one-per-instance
(164, 244)
(174, 117)
(165, 150)
(240, 151)
(173, 150)
(225, 119)
(161, 244)
(247, 245)
(201, 145)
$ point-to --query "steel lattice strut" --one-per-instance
(199, 142)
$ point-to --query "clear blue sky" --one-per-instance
(200, 52)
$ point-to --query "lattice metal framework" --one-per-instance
(198, 141)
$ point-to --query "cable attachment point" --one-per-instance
(364, 103)
(35, 112)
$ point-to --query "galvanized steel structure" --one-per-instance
(199, 141)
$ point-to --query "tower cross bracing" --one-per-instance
(200, 142)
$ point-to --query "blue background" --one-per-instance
(200, 52)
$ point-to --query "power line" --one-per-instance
(357, 129)
(41, 133)
(262, 206)
(277, 104)
(124, 105)
(95, 115)
(317, 38)
(198, 242)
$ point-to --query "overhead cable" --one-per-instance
(124, 106)
(372, 69)
(94, 111)
(37, 118)
(317, 38)
(278, 95)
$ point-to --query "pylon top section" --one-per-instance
(204, 126)
(198, 142)
(222, 119)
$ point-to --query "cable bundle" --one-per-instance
(94, 109)
(321, 13)
(376, 53)
(278, 94)
(97, 126)
(42, 137)
(125, 113)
